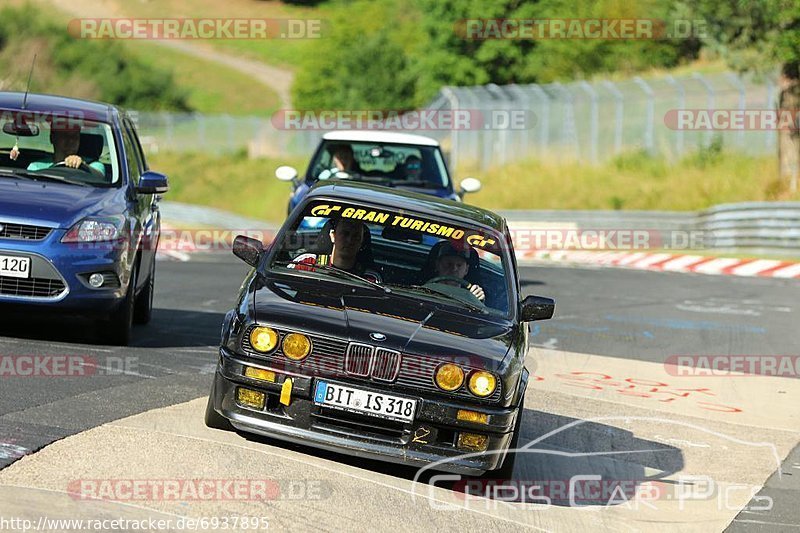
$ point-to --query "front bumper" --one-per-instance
(59, 275)
(430, 438)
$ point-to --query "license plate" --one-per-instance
(15, 267)
(366, 402)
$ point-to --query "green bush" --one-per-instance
(118, 77)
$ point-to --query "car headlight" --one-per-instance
(482, 383)
(296, 346)
(95, 229)
(449, 377)
(263, 339)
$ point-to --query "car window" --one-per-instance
(91, 140)
(408, 252)
(395, 164)
(137, 147)
(131, 157)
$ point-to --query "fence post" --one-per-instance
(544, 129)
(452, 99)
(618, 111)
(770, 140)
(521, 97)
(568, 131)
(593, 121)
(710, 99)
(736, 82)
(681, 104)
(648, 132)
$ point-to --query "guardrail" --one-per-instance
(751, 227)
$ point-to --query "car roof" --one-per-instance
(405, 200)
(382, 137)
(58, 105)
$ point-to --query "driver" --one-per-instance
(66, 138)
(343, 161)
(453, 262)
(347, 237)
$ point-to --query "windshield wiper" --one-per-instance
(37, 176)
(449, 297)
(337, 270)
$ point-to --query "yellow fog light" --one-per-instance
(472, 416)
(259, 373)
(250, 398)
(263, 339)
(482, 383)
(449, 377)
(473, 441)
(296, 346)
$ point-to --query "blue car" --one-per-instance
(79, 219)
(402, 160)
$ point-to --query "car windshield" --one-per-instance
(401, 252)
(43, 142)
(388, 164)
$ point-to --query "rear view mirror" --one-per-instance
(470, 185)
(537, 308)
(247, 249)
(20, 129)
(286, 173)
(152, 183)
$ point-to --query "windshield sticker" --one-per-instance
(410, 223)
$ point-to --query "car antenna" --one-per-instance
(28, 86)
(14, 153)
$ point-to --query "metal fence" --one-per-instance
(583, 121)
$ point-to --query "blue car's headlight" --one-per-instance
(96, 229)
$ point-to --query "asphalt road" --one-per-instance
(620, 318)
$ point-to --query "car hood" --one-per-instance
(410, 326)
(54, 205)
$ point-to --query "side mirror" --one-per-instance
(537, 308)
(286, 173)
(152, 183)
(469, 185)
(247, 249)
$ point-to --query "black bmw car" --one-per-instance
(383, 324)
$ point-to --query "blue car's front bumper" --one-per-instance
(59, 275)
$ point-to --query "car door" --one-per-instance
(144, 211)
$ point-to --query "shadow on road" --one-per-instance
(169, 328)
(622, 461)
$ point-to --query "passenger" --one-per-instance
(453, 262)
(350, 251)
(343, 160)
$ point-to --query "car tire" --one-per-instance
(143, 309)
(213, 419)
(117, 329)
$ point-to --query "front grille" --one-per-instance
(23, 232)
(353, 424)
(31, 287)
(329, 359)
(358, 359)
(385, 365)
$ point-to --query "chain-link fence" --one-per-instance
(588, 122)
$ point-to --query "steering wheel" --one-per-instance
(83, 166)
(464, 284)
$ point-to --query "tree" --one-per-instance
(754, 36)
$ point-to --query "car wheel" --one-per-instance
(214, 420)
(117, 329)
(506, 471)
(143, 310)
